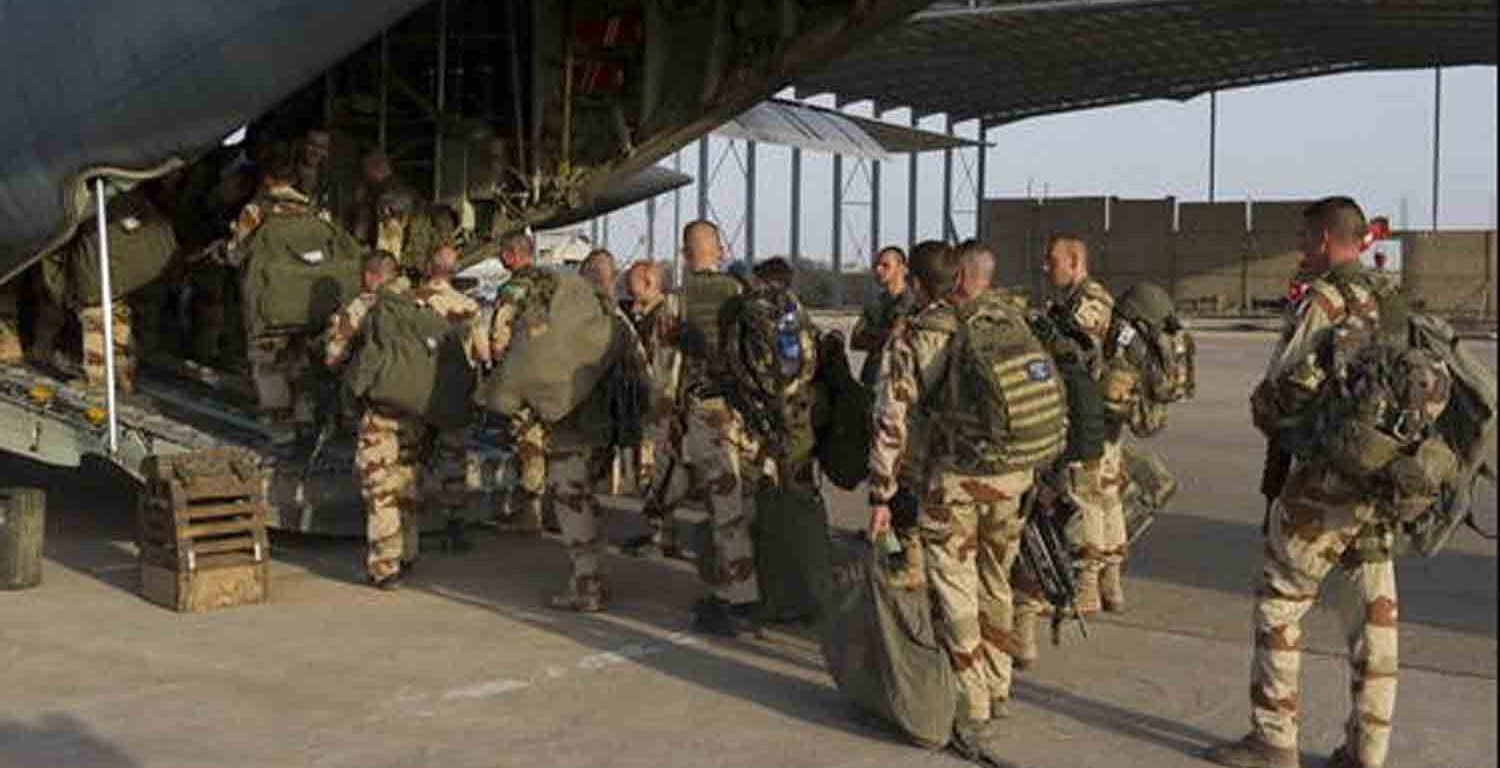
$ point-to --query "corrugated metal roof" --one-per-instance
(825, 130)
(1003, 61)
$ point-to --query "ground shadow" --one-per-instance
(58, 739)
(90, 516)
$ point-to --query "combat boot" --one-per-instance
(1251, 752)
(1021, 645)
(713, 616)
(1112, 589)
(1344, 757)
(1086, 599)
(970, 741)
(455, 538)
(588, 595)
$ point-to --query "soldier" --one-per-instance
(528, 435)
(599, 269)
(278, 363)
(412, 229)
(969, 525)
(1084, 307)
(313, 176)
(1319, 522)
(10, 325)
(446, 468)
(388, 447)
(657, 316)
(726, 461)
(881, 313)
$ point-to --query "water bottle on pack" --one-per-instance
(789, 341)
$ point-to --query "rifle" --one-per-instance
(1273, 476)
(1044, 550)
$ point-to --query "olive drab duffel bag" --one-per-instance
(558, 353)
(1003, 407)
(790, 531)
(141, 247)
(1149, 487)
(411, 359)
(298, 270)
(1149, 360)
(881, 645)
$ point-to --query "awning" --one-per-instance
(825, 130)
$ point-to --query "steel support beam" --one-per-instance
(441, 102)
(385, 87)
(950, 232)
(750, 154)
(874, 208)
(703, 177)
(651, 227)
(911, 191)
(979, 185)
(676, 222)
(1213, 142)
(796, 203)
(1437, 141)
(838, 230)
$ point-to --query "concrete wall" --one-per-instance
(1220, 257)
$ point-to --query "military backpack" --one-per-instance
(768, 346)
(299, 269)
(1149, 360)
(141, 247)
(412, 359)
(1004, 407)
(1088, 425)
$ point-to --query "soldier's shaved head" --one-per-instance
(599, 268)
(443, 263)
(935, 268)
(977, 268)
(643, 280)
(516, 248)
(1333, 233)
(379, 267)
(1066, 261)
(701, 245)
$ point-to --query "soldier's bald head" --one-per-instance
(379, 267)
(976, 266)
(443, 263)
(701, 245)
(1066, 261)
(516, 248)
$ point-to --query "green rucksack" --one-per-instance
(411, 359)
(298, 270)
(1004, 405)
(1149, 360)
(141, 247)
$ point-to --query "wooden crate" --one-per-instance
(202, 531)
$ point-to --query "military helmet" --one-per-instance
(1148, 304)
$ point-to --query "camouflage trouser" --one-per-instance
(727, 463)
(573, 479)
(1314, 524)
(531, 457)
(10, 325)
(50, 320)
(971, 533)
(278, 365)
(1097, 530)
(387, 456)
(92, 321)
(209, 306)
(446, 480)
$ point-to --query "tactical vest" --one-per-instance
(1004, 406)
(705, 296)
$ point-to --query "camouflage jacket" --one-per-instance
(914, 360)
(345, 325)
(1087, 308)
(526, 287)
(874, 326)
(283, 201)
(459, 310)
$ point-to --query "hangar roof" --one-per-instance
(1004, 60)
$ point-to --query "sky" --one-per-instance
(1368, 135)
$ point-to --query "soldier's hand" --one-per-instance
(880, 520)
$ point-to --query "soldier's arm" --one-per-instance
(342, 328)
(867, 335)
(1315, 317)
(1091, 317)
(896, 393)
(243, 226)
(500, 330)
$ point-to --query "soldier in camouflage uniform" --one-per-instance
(969, 525)
(725, 460)
(528, 434)
(1097, 531)
(881, 313)
(657, 317)
(279, 363)
(1322, 520)
(389, 445)
(447, 466)
(412, 229)
(10, 323)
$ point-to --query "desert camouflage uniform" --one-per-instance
(1097, 530)
(969, 525)
(278, 363)
(10, 327)
(387, 454)
(1318, 523)
(529, 438)
(91, 319)
(728, 464)
(446, 468)
(656, 326)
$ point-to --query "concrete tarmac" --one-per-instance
(465, 667)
